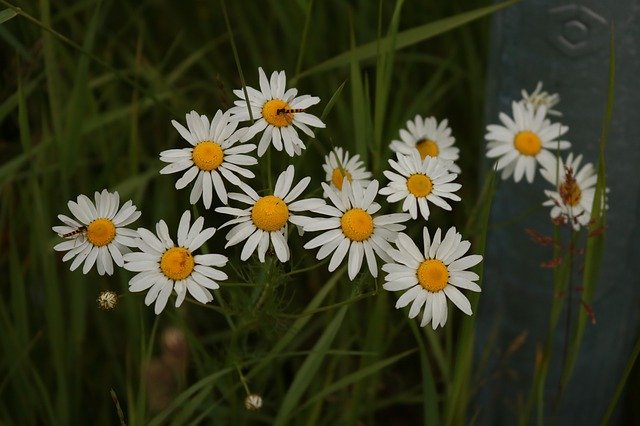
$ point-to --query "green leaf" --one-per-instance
(7, 14)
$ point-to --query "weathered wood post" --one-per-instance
(566, 45)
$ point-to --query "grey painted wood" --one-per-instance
(564, 44)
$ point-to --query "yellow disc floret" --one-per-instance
(338, 176)
(177, 263)
(101, 232)
(427, 147)
(270, 213)
(357, 224)
(274, 112)
(207, 155)
(433, 275)
(527, 143)
(419, 185)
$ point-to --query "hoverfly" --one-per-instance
(75, 232)
(280, 111)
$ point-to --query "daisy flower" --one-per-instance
(524, 140)
(211, 157)
(277, 113)
(163, 266)
(432, 276)
(267, 217)
(420, 181)
(97, 235)
(353, 227)
(429, 138)
(575, 188)
(338, 165)
(539, 97)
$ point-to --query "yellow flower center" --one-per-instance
(272, 111)
(338, 176)
(527, 143)
(433, 275)
(357, 224)
(101, 232)
(270, 213)
(207, 155)
(419, 185)
(427, 147)
(177, 263)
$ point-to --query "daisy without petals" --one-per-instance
(524, 141)
(97, 235)
(429, 138)
(337, 165)
(428, 278)
(575, 189)
(420, 181)
(277, 113)
(211, 158)
(163, 266)
(267, 218)
(353, 227)
(539, 97)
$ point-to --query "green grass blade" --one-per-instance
(306, 374)
(456, 403)
(189, 393)
(430, 409)
(334, 98)
(594, 251)
(354, 378)
(7, 14)
(621, 384)
(406, 38)
(384, 72)
(303, 39)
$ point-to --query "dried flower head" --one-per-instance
(107, 300)
(253, 402)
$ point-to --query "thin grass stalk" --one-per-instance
(457, 392)
(596, 231)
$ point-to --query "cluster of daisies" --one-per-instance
(528, 141)
(348, 219)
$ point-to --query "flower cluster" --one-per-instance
(349, 219)
(527, 141)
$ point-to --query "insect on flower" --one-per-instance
(282, 111)
(73, 234)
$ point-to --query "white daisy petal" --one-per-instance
(408, 296)
(458, 299)
(339, 254)
(183, 227)
(163, 297)
(418, 303)
(356, 255)
(201, 239)
(280, 246)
